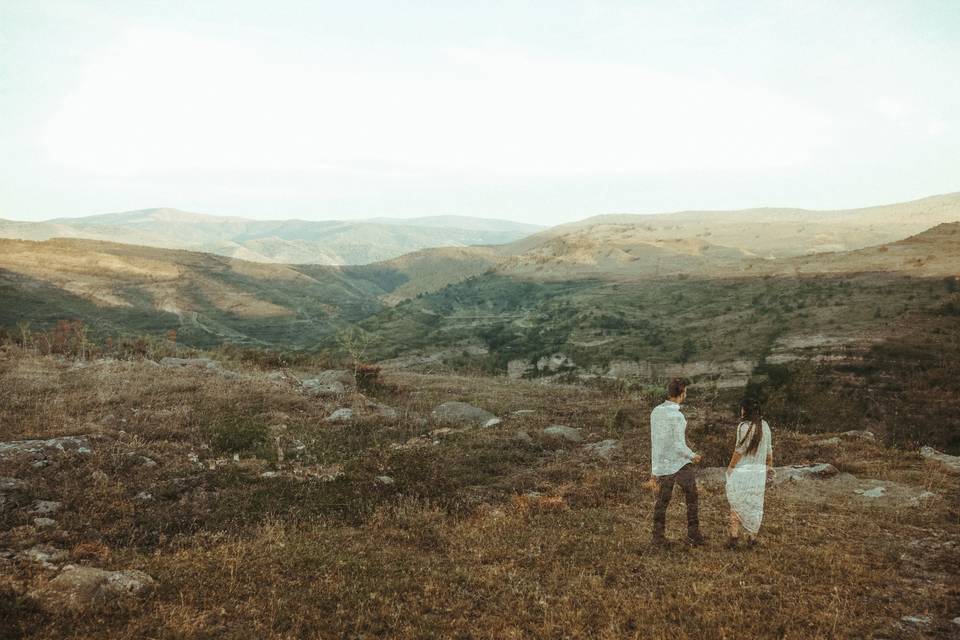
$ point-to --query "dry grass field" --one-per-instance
(391, 525)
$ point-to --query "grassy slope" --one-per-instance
(122, 289)
(450, 549)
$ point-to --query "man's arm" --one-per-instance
(680, 441)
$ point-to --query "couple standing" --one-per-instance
(672, 462)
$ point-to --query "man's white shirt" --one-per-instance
(668, 440)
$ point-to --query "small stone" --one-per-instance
(99, 476)
(270, 474)
(564, 432)
(916, 619)
(462, 414)
(43, 554)
(829, 442)
(604, 449)
(956, 621)
(12, 484)
(44, 507)
(147, 462)
(340, 415)
(492, 422)
(144, 496)
(876, 492)
(44, 523)
(384, 480)
(520, 413)
(523, 437)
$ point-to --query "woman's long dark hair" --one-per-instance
(752, 413)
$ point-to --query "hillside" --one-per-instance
(276, 241)
(122, 289)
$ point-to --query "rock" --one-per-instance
(570, 434)
(83, 587)
(343, 376)
(950, 464)
(44, 523)
(384, 480)
(956, 621)
(381, 410)
(340, 415)
(522, 413)
(44, 507)
(43, 554)
(517, 369)
(462, 414)
(321, 388)
(917, 620)
(794, 473)
(523, 437)
(554, 363)
(861, 434)
(829, 442)
(99, 476)
(492, 422)
(144, 496)
(192, 363)
(147, 462)
(876, 492)
(12, 484)
(800, 472)
(44, 448)
(604, 449)
(270, 474)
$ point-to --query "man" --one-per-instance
(671, 462)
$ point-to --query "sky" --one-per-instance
(538, 112)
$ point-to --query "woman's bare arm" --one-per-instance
(733, 462)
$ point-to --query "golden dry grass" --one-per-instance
(457, 547)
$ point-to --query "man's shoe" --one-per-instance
(696, 540)
(660, 542)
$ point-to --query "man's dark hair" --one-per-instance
(675, 387)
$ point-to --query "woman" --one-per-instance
(750, 468)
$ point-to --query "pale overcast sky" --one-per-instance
(543, 112)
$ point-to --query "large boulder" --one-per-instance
(84, 587)
(462, 414)
(570, 434)
(950, 464)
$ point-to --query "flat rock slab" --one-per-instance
(462, 414)
(570, 434)
(84, 587)
(44, 448)
(948, 463)
(341, 415)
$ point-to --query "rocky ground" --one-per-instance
(191, 498)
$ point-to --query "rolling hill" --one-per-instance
(275, 241)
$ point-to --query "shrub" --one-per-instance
(237, 434)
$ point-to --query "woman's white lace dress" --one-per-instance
(747, 482)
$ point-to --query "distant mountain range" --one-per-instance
(331, 242)
(592, 282)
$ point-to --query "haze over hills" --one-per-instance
(277, 241)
